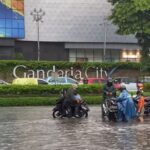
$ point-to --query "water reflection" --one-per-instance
(33, 128)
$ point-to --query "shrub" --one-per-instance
(45, 90)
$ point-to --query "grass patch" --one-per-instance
(41, 101)
(47, 101)
(27, 101)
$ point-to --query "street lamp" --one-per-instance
(105, 38)
(37, 17)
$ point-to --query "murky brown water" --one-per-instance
(33, 128)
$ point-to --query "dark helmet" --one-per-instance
(139, 92)
(109, 82)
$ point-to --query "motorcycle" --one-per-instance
(109, 108)
(147, 106)
(59, 112)
(76, 109)
(70, 110)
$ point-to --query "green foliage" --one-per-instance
(7, 66)
(42, 101)
(45, 90)
(48, 90)
(93, 99)
(133, 17)
(27, 101)
(147, 87)
(10, 64)
(90, 89)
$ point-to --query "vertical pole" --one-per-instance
(38, 40)
(105, 40)
(37, 17)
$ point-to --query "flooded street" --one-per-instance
(33, 128)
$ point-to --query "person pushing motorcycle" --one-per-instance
(109, 89)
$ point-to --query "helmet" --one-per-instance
(139, 92)
(122, 86)
(109, 80)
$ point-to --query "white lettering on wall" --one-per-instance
(99, 72)
(40, 73)
(15, 69)
(49, 72)
(29, 74)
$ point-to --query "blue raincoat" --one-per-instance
(126, 107)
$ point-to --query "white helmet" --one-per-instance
(122, 86)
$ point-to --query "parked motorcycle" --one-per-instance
(147, 106)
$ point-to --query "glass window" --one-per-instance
(21, 33)
(8, 33)
(8, 14)
(2, 14)
(71, 81)
(61, 80)
(2, 23)
(14, 23)
(8, 23)
(2, 32)
(80, 53)
(12, 18)
(42, 82)
(20, 23)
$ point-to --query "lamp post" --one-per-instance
(37, 17)
(105, 38)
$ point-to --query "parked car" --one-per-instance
(61, 81)
(29, 81)
(42, 81)
(131, 84)
(93, 81)
(145, 79)
(2, 82)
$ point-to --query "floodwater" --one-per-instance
(33, 128)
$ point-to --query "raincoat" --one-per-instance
(126, 107)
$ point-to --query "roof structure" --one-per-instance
(72, 21)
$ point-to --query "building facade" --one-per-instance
(72, 30)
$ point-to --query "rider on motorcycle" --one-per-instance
(72, 98)
(109, 89)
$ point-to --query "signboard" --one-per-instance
(55, 73)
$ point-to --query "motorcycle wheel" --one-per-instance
(85, 114)
(68, 112)
(104, 115)
(56, 114)
(82, 113)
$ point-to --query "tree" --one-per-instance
(133, 17)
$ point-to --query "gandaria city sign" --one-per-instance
(40, 73)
